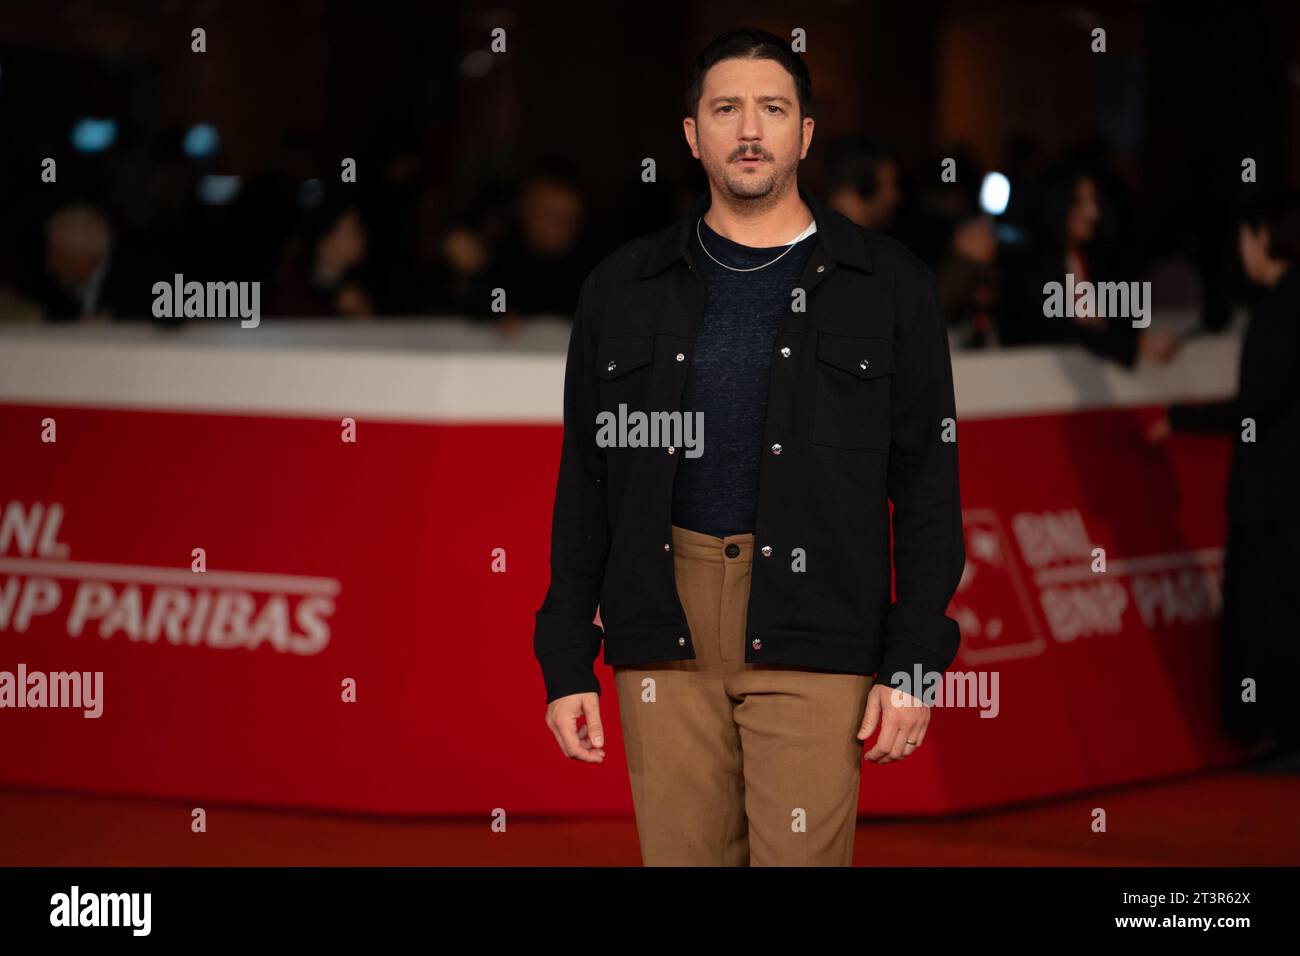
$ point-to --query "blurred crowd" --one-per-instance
(403, 243)
(995, 239)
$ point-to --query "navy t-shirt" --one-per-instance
(717, 493)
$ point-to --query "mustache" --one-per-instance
(754, 150)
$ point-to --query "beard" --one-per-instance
(763, 186)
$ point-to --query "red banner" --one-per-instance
(357, 634)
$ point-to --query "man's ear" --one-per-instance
(688, 127)
(807, 136)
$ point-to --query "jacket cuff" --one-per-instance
(566, 651)
(916, 638)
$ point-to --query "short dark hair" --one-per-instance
(749, 44)
(1278, 211)
(854, 161)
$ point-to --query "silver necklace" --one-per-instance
(723, 264)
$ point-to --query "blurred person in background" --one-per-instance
(460, 273)
(452, 250)
(542, 263)
(861, 181)
(932, 209)
(945, 225)
(389, 203)
(84, 277)
(1260, 627)
(1067, 237)
(320, 274)
(968, 281)
(78, 242)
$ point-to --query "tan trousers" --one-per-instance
(736, 764)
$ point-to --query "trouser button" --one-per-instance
(732, 550)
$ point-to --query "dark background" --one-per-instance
(442, 131)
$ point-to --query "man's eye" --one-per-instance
(721, 108)
(773, 107)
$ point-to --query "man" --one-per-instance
(544, 261)
(88, 277)
(815, 352)
(78, 247)
(862, 182)
(1261, 604)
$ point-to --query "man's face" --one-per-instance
(551, 215)
(345, 245)
(747, 133)
(71, 257)
(1253, 245)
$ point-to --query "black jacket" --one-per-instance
(1266, 472)
(860, 388)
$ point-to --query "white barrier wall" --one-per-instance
(447, 370)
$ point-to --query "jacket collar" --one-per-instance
(839, 238)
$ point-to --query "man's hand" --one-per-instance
(1158, 430)
(902, 726)
(585, 743)
(976, 241)
(1159, 344)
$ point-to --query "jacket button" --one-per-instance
(667, 546)
(785, 352)
(863, 364)
(671, 449)
(821, 268)
(611, 366)
(767, 550)
(756, 644)
(681, 356)
(681, 642)
(731, 550)
(776, 449)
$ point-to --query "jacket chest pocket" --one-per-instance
(853, 377)
(623, 367)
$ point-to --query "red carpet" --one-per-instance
(1228, 819)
